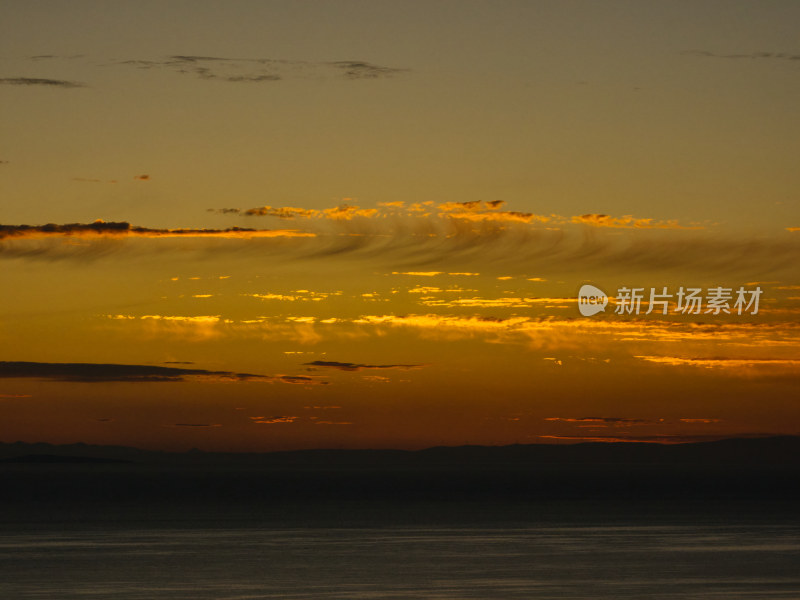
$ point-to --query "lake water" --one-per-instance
(574, 562)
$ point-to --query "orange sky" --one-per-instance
(218, 237)
(392, 328)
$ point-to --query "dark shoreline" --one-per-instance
(728, 481)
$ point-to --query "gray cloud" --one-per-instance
(92, 180)
(55, 57)
(363, 70)
(346, 366)
(121, 228)
(439, 243)
(608, 420)
(260, 70)
(39, 81)
(99, 373)
(302, 380)
(747, 55)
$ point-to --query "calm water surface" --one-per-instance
(715, 561)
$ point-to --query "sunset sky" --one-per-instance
(251, 226)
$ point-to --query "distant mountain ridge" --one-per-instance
(51, 459)
(757, 472)
(766, 452)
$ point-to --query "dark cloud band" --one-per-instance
(103, 228)
(41, 82)
(347, 366)
(260, 70)
(99, 372)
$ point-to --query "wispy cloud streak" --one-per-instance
(100, 373)
(433, 242)
(745, 55)
(38, 81)
(262, 70)
(347, 366)
(122, 229)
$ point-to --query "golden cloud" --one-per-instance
(487, 211)
(734, 364)
(273, 420)
(343, 212)
(629, 222)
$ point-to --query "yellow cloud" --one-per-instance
(628, 222)
(273, 420)
(346, 212)
(338, 213)
(298, 295)
(508, 302)
(722, 363)
(487, 211)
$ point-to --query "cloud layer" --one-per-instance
(347, 366)
(746, 55)
(99, 372)
(103, 373)
(123, 229)
(262, 70)
(424, 237)
(38, 81)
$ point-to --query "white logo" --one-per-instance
(591, 300)
(687, 301)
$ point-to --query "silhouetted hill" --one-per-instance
(44, 482)
(59, 459)
(765, 452)
(79, 450)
